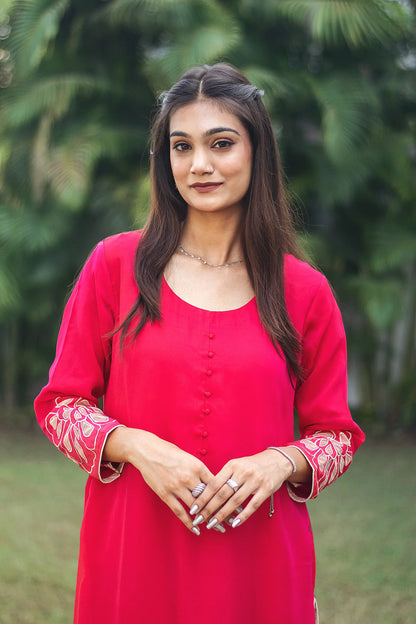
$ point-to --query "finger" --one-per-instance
(181, 514)
(229, 521)
(252, 506)
(222, 505)
(213, 486)
(193, 483)
(197, 491)
(215, 502)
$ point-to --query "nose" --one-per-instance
(201, 162)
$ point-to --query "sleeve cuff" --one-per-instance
(301, 492)
(329, 454)
(109, 471)
(80, 430)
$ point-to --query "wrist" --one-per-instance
(119, 445)
(290, 462)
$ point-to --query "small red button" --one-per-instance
(203, 451)
(205, 434)
(211, 336)
(207, 410)
(208, 373)
(207, 393)
(210, 354)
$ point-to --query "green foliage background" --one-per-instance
(78, 84)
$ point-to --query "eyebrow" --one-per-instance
(207, 133)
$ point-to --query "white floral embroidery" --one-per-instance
(329, 454)
(74, 427)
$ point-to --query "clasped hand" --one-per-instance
(253, 479)
(173, 473)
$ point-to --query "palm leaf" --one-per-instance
(70, 165)
(25, 228)
(207, 44)
(51, 94)
(357, 22)
(274, 85)
(146, 12)
(349, 110)
(5, 9)
(35, 25)
(210, 33)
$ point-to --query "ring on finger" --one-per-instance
(233, 484)
(198, 489)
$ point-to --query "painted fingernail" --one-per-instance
(219, 528)
(196, 530)
(212, 523)
(239, 509)
(198, 520)
(236, 522)
(193, 509)
(231, 520)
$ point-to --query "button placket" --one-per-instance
(206, 410)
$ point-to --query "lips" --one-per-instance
(206, 187)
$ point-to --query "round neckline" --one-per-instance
(194, 307)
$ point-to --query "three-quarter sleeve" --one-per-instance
(67, 407)
(328, 434)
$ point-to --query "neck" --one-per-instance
(215, 237)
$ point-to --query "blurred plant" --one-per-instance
(79, 82)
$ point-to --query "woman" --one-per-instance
(202, 333)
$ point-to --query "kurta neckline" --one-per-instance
(242, 308)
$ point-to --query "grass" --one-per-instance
(41, 496)
(365, 535)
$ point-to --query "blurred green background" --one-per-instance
(79, 81)
(78, 85)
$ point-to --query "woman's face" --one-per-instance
(210, 156)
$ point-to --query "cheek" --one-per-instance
(178, 169)
(241, 172)
(241, 165)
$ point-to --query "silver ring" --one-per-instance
(198, 489)
(233, 484)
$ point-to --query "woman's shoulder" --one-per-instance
(300, 273)
(303, 282)
(118, 250)
(114, 255)
(121, 245)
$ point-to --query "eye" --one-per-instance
(181, 146)
(223, 143)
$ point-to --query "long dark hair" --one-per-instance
(268, 231)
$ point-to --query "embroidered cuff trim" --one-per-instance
(329, 454)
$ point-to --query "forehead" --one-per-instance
(203, 115)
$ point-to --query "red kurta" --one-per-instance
(212, 383)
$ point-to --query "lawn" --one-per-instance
(365, 534)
